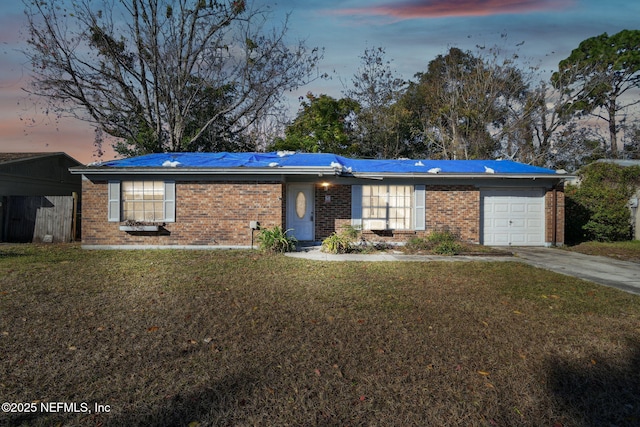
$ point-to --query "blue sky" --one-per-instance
(413, 32)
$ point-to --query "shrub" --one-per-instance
(441, 242)
(416, 244)
(276, 240)
(337, 243)
(442, 236)
(448, 248)
(351, 231)
(598, 209)
(343, 242)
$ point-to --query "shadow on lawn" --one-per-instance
(9, 254)
(214, 405)
(598, 392)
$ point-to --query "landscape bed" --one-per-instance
(239, 338)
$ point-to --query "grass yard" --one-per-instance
(242, 338)
(627, 251)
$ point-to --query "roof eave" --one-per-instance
(37, 156)
(203, 171)
(299, 171)
(459, 175)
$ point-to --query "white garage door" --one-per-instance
(513, 217)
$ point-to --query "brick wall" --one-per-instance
(218, 213)
(559, 214)
(207, 213)
(454, 207)
(333, 209)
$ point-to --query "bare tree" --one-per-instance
(551, 123)
(163, 75)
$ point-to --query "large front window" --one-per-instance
(387, 207)
(143, 201)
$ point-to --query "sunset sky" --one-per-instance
(413, 32)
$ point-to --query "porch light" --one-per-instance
(325, 185)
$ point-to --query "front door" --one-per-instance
(300, 206)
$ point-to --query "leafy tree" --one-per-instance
(163, 75)
(323, 124)
(380, 119)
(596, 76)
(600, 202)
(463, 106)
(442, 96)
(632, 142)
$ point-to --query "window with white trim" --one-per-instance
(142, 201)
(387, 207)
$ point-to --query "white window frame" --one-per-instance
(115, 202)
(417, 209)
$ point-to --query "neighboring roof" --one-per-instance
(19, 157)
(291, 162)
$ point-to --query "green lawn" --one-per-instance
(240, 338)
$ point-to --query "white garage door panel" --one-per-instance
(513, 217)
(517, 240)
(517, 223)
(501, 239)
(518, 207)
(500, 223)
(534, 223)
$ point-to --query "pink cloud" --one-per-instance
(446, 8)
(24, 129)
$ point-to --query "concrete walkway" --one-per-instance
(314, 253)
(623, 275)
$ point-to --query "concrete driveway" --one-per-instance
(624, 275)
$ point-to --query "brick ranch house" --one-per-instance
(209, 200)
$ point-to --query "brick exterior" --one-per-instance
(558, 238)
(219, 213)
(456, 208)
(333, 209)
(453, 207)
(207, 213)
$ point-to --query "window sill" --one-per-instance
(139, 227)
(388, 230)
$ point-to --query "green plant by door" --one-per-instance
(276, 240)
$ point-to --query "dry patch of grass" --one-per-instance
(245, 338)
(627, 251)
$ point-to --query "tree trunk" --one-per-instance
(613, 129)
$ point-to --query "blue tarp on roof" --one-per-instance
(323, 160)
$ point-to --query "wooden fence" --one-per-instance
(39, 219)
